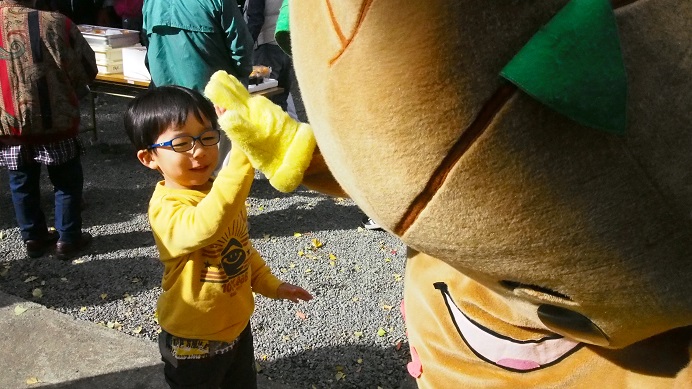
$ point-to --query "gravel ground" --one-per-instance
(350, 336)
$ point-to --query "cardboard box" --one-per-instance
(133, 63)
(113, 67)
(101, 38)
(108, 56)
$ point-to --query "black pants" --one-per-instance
(232, 369)
(272, 56)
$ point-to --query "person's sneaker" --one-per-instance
(37, 248)
(65, 250)
(370, 224)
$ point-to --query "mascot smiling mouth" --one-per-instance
(510, 354)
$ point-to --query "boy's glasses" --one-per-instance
(182, 144)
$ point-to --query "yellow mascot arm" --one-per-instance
(318, 177)
(275, 144)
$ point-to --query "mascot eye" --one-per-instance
(513, 285)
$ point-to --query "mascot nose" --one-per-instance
(571, 324)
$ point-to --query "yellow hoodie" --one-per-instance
(210, 266)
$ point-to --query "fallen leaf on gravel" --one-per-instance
(381, 332)
(18, 310)
(356, 299)
(332, 257)
(360, 360)
(387, 307)
(397, 277)
(32, 381)
(114, 325)
(78, 261)
(316, 243)
(358, 334)
(291, 265)
(286, 338)
(37, 293)
(388, 260)
(127, 297)
(137, 330)
(301, 315)
(360, 229)
(308, 270)
(267, 236)
(301, 253)
(83, 309)
(104, 296)
(32, 278)
(356, 268)
(283, 270)
(339, 376)
(297, 234)
(264, 357)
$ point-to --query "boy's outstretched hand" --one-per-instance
(294, 293)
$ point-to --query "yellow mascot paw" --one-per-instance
(275, 144)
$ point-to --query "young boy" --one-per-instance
(200, 227)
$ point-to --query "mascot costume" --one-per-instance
(534, 155)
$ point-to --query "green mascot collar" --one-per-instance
(574, 65)
(282, 32)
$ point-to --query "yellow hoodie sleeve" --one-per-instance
(263, 281)
(182, 225)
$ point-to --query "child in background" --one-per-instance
(200, 227)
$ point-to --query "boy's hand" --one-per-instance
(294, 293)
(275, 144)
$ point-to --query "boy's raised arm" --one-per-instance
(182, 228)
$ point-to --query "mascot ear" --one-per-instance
(574, 65)
(283, 33)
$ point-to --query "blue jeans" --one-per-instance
(68, 181)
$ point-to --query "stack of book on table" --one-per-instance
(107, 43)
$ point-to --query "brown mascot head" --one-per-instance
(451, 124)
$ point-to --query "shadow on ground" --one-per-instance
(318, 368)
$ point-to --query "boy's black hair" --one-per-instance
(157, 109)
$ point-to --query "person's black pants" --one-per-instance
(232, 369)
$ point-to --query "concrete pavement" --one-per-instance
(40, 347)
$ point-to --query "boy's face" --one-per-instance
(183, 170)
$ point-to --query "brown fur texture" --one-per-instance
(514, 207)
